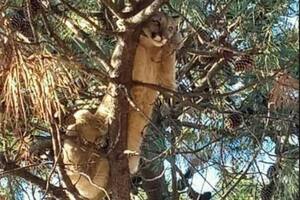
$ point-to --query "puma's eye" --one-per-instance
(170, 28)
(155, 21)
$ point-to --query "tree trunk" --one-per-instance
(122, 61)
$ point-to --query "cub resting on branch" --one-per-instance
(154, 63)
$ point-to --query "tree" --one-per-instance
(235, 111)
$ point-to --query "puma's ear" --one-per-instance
(72, 130)
(177, 18)
(157, 16)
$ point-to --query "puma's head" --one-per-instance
(159, 30)
(88, 126)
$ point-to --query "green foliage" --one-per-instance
(221, 119)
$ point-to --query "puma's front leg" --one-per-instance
(167, 75)
(143, 99)
(136, 124)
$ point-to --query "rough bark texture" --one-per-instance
(122, 63)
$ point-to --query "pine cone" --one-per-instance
(205, 59)
(243, 63)
(20, 23)
(36, 7)
(272, 172)
(233, 121)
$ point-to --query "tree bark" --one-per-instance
(122, 62)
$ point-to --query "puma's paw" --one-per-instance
(133, 160)
(130, 152)
(72, 130)
(133, 163)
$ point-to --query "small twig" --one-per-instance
(29, 17)
(95, 185)
(50, 175)
(242, 175)
(21, 172)
(111, 6)
(156, 177)
(14, 170)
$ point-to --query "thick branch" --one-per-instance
(122, 60)
(18, 171)
(146, 13)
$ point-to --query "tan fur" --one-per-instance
(80, 161)
(154, 63)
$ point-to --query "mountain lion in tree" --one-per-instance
(154, 63)
(87, 170)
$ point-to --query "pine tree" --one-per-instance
(235, 111)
